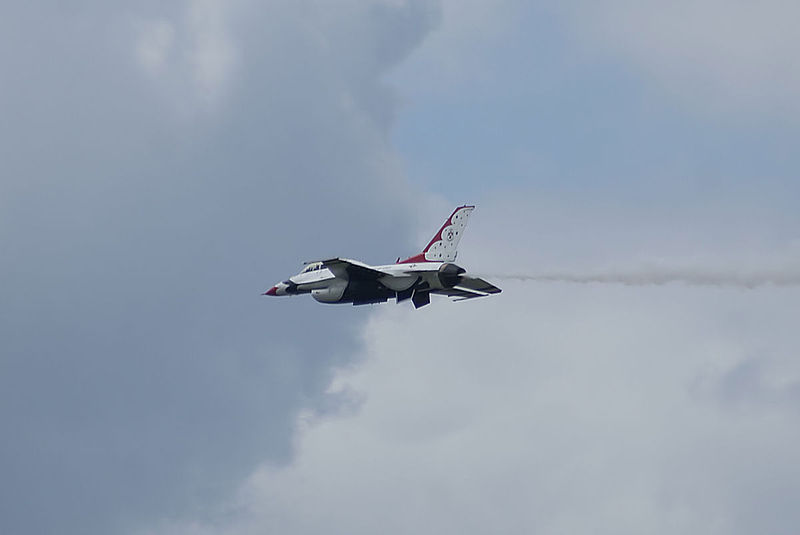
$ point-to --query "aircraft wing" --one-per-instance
(345, 268)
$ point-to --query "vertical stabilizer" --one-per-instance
(442, 248)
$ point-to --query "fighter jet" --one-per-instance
(341, 280)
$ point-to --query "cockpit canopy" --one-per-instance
(312, 266)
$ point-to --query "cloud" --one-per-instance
(724, 57)
(551, 408)
(163, 165)
(214, 56)
(193, 58)
(154, 46)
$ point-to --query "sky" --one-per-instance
(164, 164)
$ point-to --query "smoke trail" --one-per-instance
(660, 276)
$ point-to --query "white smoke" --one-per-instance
(658, 276)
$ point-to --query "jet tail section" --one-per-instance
(442, 248)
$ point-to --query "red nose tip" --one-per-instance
(271, 291)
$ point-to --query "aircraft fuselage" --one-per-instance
(341, 280)
(326, 287)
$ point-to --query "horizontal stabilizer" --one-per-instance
(459, 294)
(479, 285)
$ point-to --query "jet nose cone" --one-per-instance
(282, 288)
(271, 291)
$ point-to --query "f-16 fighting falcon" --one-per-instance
(340, 280)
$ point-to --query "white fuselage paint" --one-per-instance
(328, 288)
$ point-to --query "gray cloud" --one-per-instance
(551, 409)
(161, 167)
(164, 164)
(730, 58)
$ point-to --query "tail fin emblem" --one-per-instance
(442, 248)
